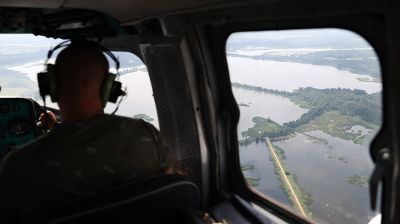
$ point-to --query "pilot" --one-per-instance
(91, 151)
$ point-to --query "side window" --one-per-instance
(22, 57)
(310, 104)
(139, 101)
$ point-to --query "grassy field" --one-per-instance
(264, 127)
(360, 181)
(248, 172)
(337, 125)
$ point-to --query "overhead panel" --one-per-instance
(32, 3)
(131, 10)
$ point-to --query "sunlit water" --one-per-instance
(140, 98)
(258, 155)
(322, 170)
(289, 76)
(279, 109)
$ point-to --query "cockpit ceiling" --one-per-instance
(124, 10)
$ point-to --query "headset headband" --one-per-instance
(110, 89)
(85, 43)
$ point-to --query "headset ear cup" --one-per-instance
(106, 88)
(48, 83)
(43, 82)
(52, 82)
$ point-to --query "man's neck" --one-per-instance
(77, 106)
(80, 110)
(76, 117)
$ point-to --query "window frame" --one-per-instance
(361, 25)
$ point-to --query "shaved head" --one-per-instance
(80, 66)
(80, 71)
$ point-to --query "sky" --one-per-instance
(7, 39)
(327, 37)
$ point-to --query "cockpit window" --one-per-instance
(139, 102)
(22, 56)
(310, 104)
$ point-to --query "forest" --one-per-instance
(345, 101)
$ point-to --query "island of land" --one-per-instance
(333, 111)
(359, 181)
(243, 105)
(144, 117)
(248, 171)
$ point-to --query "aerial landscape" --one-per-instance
(310, 104)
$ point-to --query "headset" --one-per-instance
(48, 84)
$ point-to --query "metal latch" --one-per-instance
(382, 164)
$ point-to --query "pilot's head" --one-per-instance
(80, 71)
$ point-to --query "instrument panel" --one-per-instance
(17, 123)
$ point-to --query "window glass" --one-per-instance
(22, 56)
(139, 102)
(310, 103)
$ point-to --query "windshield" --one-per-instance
(22, 56)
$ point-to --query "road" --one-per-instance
(285, 178)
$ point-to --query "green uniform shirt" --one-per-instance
(78, 159)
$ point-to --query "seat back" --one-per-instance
(153, 200)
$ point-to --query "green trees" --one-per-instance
(345, 101)
(264, 128)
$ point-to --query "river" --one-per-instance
(289, 76)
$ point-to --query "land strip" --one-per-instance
(285, 179)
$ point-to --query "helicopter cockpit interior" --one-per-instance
(277, 111)
(19, 119)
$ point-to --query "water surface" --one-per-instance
(279, 109)
(289, 76)
(322, 168)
